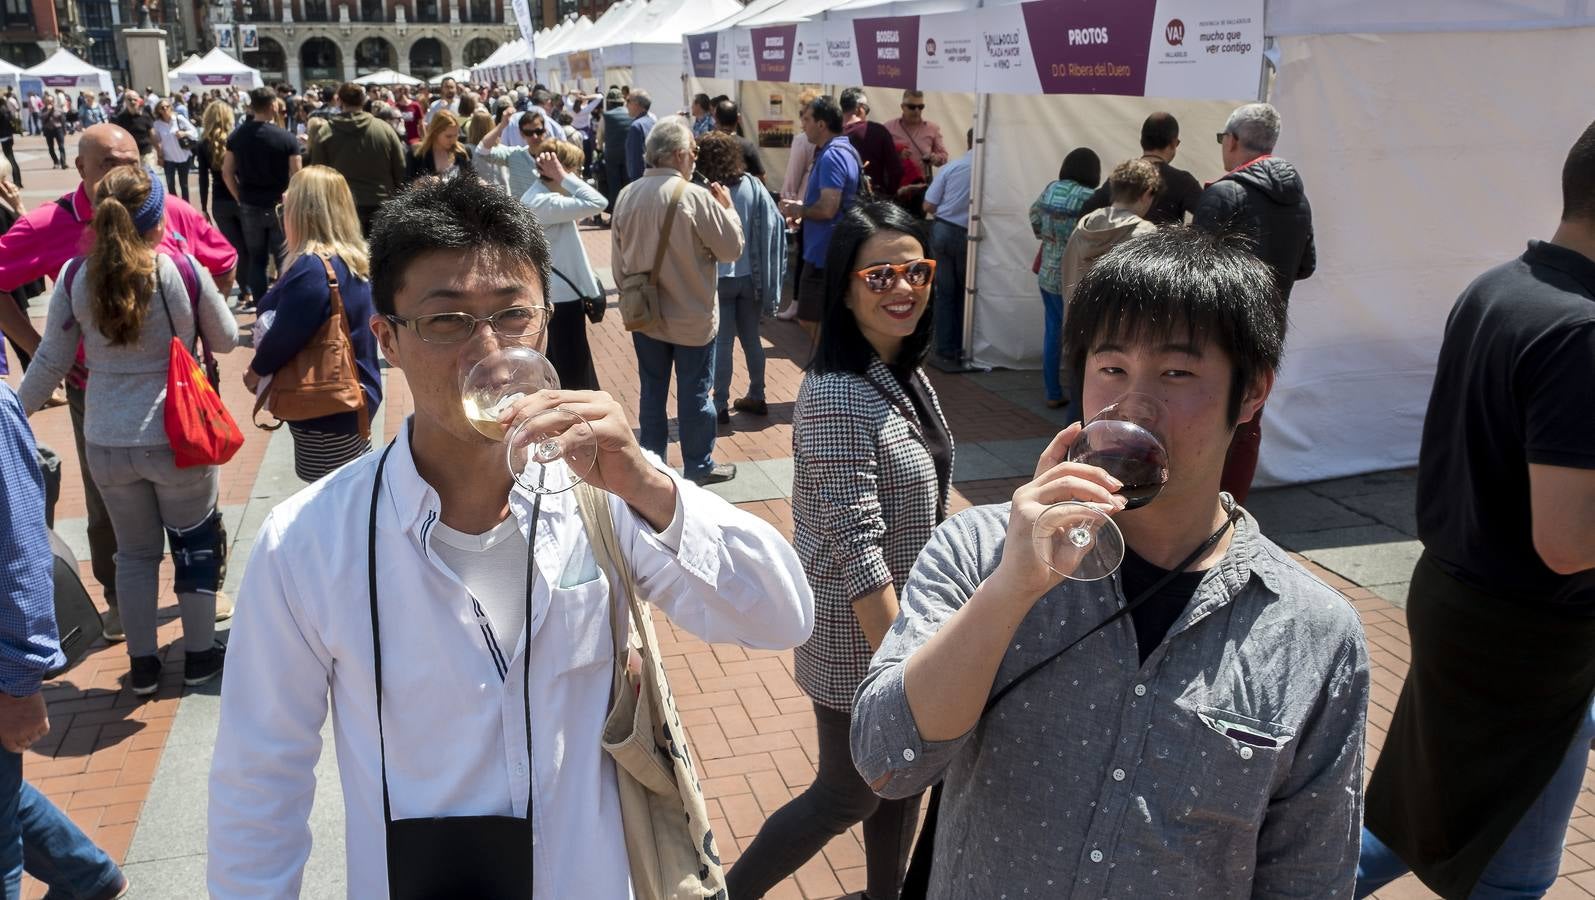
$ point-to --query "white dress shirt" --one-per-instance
(454, 725)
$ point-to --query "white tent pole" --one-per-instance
(977, 178)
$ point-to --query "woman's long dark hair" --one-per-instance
(842, 347)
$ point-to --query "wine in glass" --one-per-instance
(1078, 540)
(548, 452)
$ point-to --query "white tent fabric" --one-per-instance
(215, 69)
(17, 78)
(65, 71)
(651, 49)
(460, 75)
(388, 76)
(579, 58)
(1299, 17)
(557, 44)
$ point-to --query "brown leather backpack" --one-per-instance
(321, 379)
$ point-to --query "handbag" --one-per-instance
(321, 379)
(592, 307)
(198, 426)
(671, 847)
(639, 291)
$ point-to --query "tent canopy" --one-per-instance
(388, 76)
(457, 75)
(65, 71)
(215, 69)
(17, 79)
(557, 43)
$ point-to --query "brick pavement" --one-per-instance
(751, 725)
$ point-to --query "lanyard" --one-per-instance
(376, 640)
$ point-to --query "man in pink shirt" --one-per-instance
(411, 112)
(923, 137)
(41, 243)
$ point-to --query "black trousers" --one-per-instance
(836, 801)
(568, 349)
(11, 156)
(55, 142)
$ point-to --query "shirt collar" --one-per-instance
(82, 209)
(1572, 262)
(662, 170)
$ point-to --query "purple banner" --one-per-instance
(1094, 47)
(772, 52)
(59, 80)
(216, 79)
(888, 51)
(703, 48)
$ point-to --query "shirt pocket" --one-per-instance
(582, 625)
(1232, 763)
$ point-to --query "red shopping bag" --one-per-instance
(201, 430)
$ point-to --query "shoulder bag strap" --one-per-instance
(571, 284)
(594, 510)
(337, 312)
(664, 236)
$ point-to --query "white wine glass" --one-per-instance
(1079, 540)
(548, 452)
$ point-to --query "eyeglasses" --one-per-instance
(1222, 135)
(454, 327)
(694, 149)
(882, 278)
(914, 106)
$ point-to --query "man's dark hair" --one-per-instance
(1082, 166)
(703, 102)
(262, 99)
(841, 346)
(1181, 285)
(352, 96)
(462, 214)
(1159, 131)
(1578, 179)
(726, 114)
(851, 98)
(825, 109)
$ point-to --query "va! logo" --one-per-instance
(1174, 32)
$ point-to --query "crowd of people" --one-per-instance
(1194, 724)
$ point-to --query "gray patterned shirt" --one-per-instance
(1229, 764)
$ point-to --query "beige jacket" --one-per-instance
(704, 234)
(1098, 232)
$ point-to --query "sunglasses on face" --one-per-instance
(882, 278)
(454, 327)
(534, 132)
(914, 106)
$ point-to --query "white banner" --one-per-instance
(1005, 63)
(1198, 54)
(841, 53)
(948, 59)
(742, 67)
(224, 38)
(523, 18)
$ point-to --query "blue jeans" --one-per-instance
(36, 836)
(1052, 346)
(694, 407)
(739, 320)
(1526, 865)
(950, 244)
(262, 235)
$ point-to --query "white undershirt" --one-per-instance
(493, 567)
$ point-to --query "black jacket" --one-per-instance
(1266, 201)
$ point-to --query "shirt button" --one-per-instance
(1140, 690)
(908, 755)
(520, 770)
(1246, 753)
(1118, 774)
(1096, 856)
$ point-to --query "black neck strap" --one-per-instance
(1126, 609)
(376, 639)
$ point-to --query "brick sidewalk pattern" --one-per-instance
(752, 727)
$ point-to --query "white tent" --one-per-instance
(579, 59)
(649, 52)
(388, 77)
(1364, 88)
(67, 72)
(460, 75)
(215, 69)
(17, 78)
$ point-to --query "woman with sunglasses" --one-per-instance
(517, 162)
(560, 199)
(319, 221)
(440, 153)
(873, 461)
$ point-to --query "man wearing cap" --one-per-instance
(41, 243)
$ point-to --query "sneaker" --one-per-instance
(111, 626)
(751, 406)
(144, 675)
(717, 474)
(203, 666)
(723, 416)
(224, 606)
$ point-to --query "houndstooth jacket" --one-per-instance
(865, 501)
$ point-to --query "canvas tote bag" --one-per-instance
(639, 291)
(672, 850)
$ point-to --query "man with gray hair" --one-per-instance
(676, 231)
(1262, 197)
(639, 104)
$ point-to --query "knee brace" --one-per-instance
(199, 554)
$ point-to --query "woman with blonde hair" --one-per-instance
(174, 136)
(560, 199)
(125, 302)
(216, 201)
(440, 152)
(322, 233)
